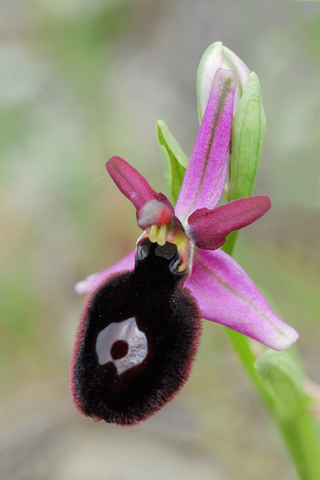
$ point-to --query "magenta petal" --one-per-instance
(209, 228)
(132, 184)
(206, 172)
(87, 285)
(227, 295)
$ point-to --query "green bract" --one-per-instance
(248, 132)
(175, 161)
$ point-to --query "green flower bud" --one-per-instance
(218, 56)
(283, 380)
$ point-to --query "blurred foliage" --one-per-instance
(81, 81)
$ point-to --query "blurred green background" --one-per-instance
(80, 81)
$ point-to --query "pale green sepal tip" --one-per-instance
(175, 161)
(247, 138)
(283, 379)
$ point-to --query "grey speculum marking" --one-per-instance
(123, 344)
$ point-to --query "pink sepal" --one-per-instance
(87, 285)
(206, 172)
(227, 295)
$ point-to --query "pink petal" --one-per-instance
(87, 285)
(209, 228)
(132, 184)
(227, 295)
(206, 172)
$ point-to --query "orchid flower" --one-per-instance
(181, 275)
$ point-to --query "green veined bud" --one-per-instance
(218, 56)
(284, 381)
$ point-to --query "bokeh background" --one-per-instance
(80, 81)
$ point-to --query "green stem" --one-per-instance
(299, 432)
(247, 358)
(302, 439)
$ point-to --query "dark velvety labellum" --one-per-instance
(137, 339)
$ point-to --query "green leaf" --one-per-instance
(175, 161)
(248, 132)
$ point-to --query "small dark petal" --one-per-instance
(160, 321)
(210, 228)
